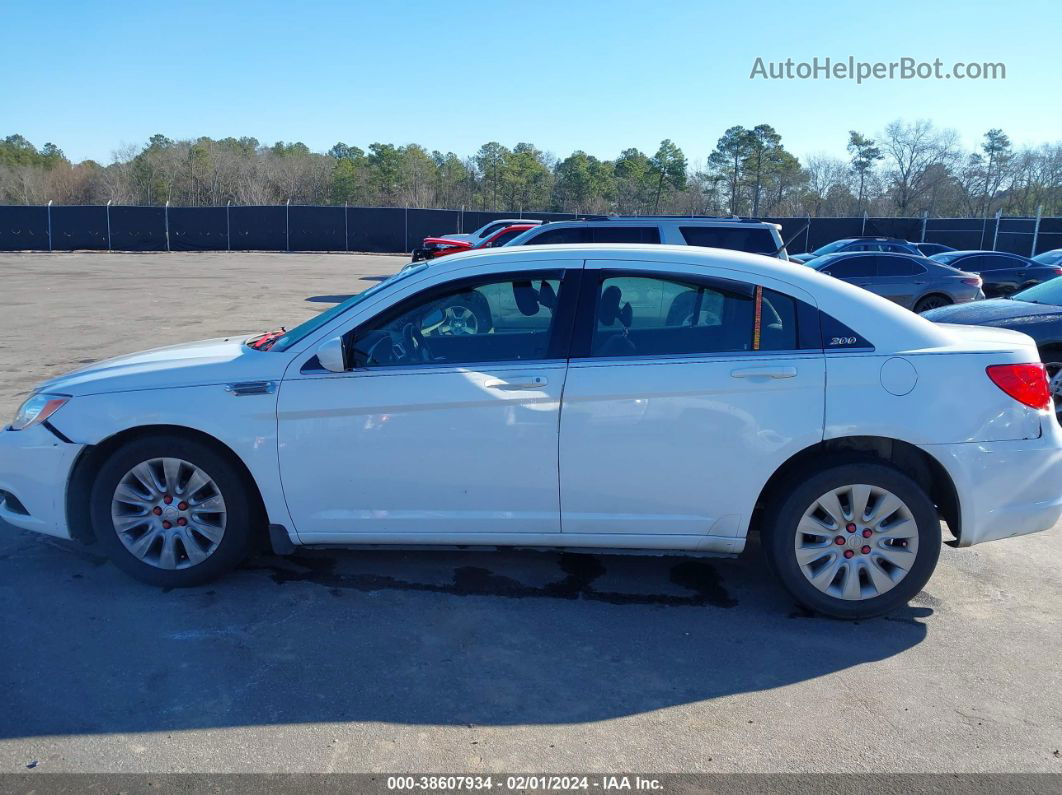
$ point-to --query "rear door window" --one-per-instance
(898, 266)
(988, 262)
(653, 316)
(1000, 262)
(754, 240)
(624, 234)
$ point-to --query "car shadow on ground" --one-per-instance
(411, 637)
(327, 299)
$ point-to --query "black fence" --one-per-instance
(387, 229)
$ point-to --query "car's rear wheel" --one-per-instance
(931, 302)
(171, 511)
(854, 540)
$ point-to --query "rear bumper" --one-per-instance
(34, 469)
(1005, 489)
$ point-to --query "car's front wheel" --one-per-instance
(171, 511)
(853, 540)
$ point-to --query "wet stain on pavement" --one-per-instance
(580, 572)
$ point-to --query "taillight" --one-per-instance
(1058, 270)
(976, 281)
(1026, 383)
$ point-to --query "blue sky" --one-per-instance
(92, 76)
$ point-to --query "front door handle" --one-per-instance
(518, 382)
(764, 372)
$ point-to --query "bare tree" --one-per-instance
(911, 150)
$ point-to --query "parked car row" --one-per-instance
(911, 280)
(918, 276)
(752, 236)
(434, 247)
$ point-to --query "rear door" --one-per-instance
(684, 394)
(899, 278)
(993, 270)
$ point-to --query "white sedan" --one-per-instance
(594, 397)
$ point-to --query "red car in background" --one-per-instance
(435, 247)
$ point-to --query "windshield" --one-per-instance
(1049, 292)
(316, 322)
(818, 262)
(945, 257)
(829, 248)
(1049, 257)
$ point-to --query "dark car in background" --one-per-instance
(1036, 311)
(912, 281)
(1003, 274)
(853, 244)
(929, 249)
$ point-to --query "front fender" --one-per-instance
(245, 423)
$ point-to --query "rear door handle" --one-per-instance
(764, 372)
(518, 382)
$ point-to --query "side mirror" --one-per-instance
(330, 355)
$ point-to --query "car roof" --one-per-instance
(980, 251)
(888, 325)
(872, 237)
(685, 220)
(851, 254)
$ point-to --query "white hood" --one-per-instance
(205, 362)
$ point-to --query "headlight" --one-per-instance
(37, 408)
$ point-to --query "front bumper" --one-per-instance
(35, 468)
(1006, 489)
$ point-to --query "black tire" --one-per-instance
(927, 302)
(231, 550)
(1050, 357)
(799, 493)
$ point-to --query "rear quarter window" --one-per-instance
(755, 240)
(625, 234)
(836, 336)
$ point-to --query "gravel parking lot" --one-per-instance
(473, 662)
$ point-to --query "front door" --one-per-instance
(446, 423)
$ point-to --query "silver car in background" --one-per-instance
(914, 282)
